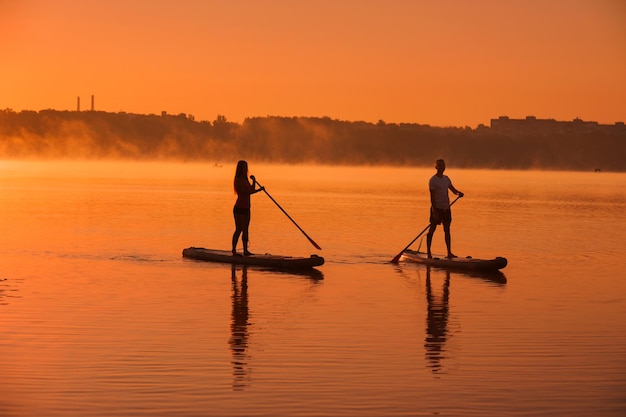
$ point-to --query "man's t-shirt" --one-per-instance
(439, 186)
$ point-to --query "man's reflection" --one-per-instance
(436, 322)
(239, 329)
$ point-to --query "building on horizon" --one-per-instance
(545, 127)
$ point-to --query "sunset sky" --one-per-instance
(444, 63)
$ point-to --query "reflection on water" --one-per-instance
(3, 291)
(240, 320)
(497, 277)
(7, 291)
(436, 321)
(312, 273)
(239, 329)
(438, 313)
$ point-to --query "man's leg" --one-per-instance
(429, 238)
(446, 230)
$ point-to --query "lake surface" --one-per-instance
(101, 316)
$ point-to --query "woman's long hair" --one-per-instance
(242, 169)
(240, 172)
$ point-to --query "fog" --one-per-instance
(55, 134)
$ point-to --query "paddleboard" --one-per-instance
(265, 260)
(466, 264)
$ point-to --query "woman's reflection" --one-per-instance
(436, 322)
(239, 329)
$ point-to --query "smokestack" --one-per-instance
(78, 104)
(92, 106)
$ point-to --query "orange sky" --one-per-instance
(445, 63)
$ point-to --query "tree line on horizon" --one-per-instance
(56, 134)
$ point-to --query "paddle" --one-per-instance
(286, 214)
(397, 257)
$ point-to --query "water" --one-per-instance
(100, 315)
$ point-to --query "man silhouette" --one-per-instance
(440, 212)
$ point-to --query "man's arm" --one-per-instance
(454, 190)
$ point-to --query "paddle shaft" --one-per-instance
(397, 257)
(288, 216)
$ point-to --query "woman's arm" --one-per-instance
(254, 184)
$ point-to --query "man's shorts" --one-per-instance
(445, 216)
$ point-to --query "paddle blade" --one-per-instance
(397, 258)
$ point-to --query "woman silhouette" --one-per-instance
(241, 210)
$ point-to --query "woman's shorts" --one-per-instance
(241, 210)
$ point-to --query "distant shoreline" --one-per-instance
(507, 144)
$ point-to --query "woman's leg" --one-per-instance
(242, 223)
(245, 226)
(238, 231)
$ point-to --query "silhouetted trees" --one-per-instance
(92, 134)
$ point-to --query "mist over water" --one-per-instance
(98, 135)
